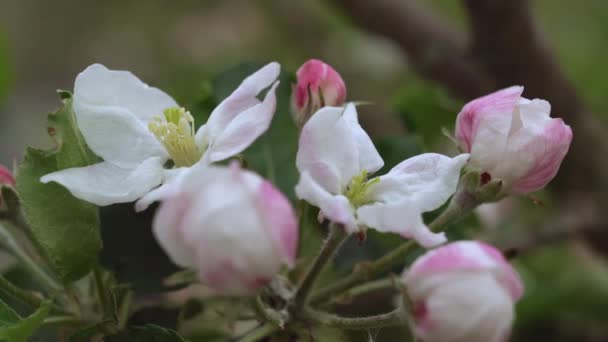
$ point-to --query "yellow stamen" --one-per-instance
(175, 130)
(357, 190)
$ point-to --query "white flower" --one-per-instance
(335, 157)
(230, 225)
(136, 129)
(463, 292)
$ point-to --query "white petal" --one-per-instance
(171, 183)
(244, 129)
(328, 150)
(112, 109)
(428, 180)
(369, 158)
(116, 135)
(99, 86)
(241, 99)
(334, 207)
(105, 183)
(403, 218)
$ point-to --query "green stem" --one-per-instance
(9, 242)
(259, 333)
(63, 320)
(376, 285)
(23, 296)
(336, 236)
(388, 319)
(102, 292)
(380, 266)
(26, 297)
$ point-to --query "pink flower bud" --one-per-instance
(230, 225)
(318, 85)
(6, 178)
(513, 139)
(463, 291)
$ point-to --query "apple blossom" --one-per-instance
(230, 225)
(318, 85)
(463, 291)
(136, 129)
(6, 179)
(335, 158)
(513, 139)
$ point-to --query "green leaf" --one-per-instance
(425, 108)
(65, 229)
(15, 329)
(147, 333)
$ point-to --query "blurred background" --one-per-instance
(417, 62)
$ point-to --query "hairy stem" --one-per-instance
(336, 236)
(388, 319)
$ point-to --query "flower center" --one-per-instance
(175, 130)
(357, 189)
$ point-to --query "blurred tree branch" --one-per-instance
(506, 48)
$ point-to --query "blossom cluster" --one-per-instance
(238, 231)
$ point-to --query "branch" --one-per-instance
(435, 50)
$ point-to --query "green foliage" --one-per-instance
(13, 328)
(64, 228)
(310, 333)
(563, 283)
(147, 333)
(5, 67)
(425, 109)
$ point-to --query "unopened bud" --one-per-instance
(318, 85)
(513, 140)
(463, 291)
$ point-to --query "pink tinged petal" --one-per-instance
(280, 220)
(243, 98)
(369, 158)
(499, 103)
(488, 307)
(402, 218)
(105, 183)
(334, 207)
(233, 254)
(328, 150)
(244, 129)
(463, 256)
(6, 177)
(549, 150)
(428, 180)
(112, 109)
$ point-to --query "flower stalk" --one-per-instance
(336, 237)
